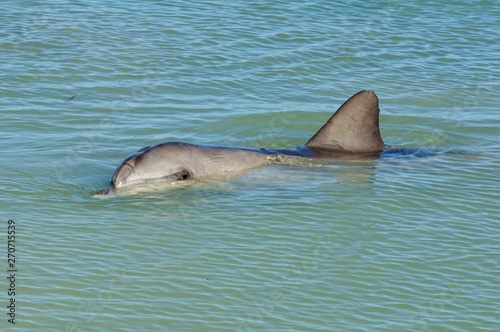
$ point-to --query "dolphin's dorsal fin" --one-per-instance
(353, 128)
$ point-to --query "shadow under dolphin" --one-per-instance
(351, 134)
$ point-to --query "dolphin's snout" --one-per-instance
(121, 174)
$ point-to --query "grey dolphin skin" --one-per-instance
(352, 130)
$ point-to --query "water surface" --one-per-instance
(399, 244)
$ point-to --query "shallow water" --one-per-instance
(397, 244)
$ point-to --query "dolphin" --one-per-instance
(353, 130)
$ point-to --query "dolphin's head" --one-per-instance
(149, 164)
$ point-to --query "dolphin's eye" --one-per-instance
(183, 175)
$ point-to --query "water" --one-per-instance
(400, 244)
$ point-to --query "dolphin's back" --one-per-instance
(353, 128)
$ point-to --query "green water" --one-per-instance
(399, 244)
